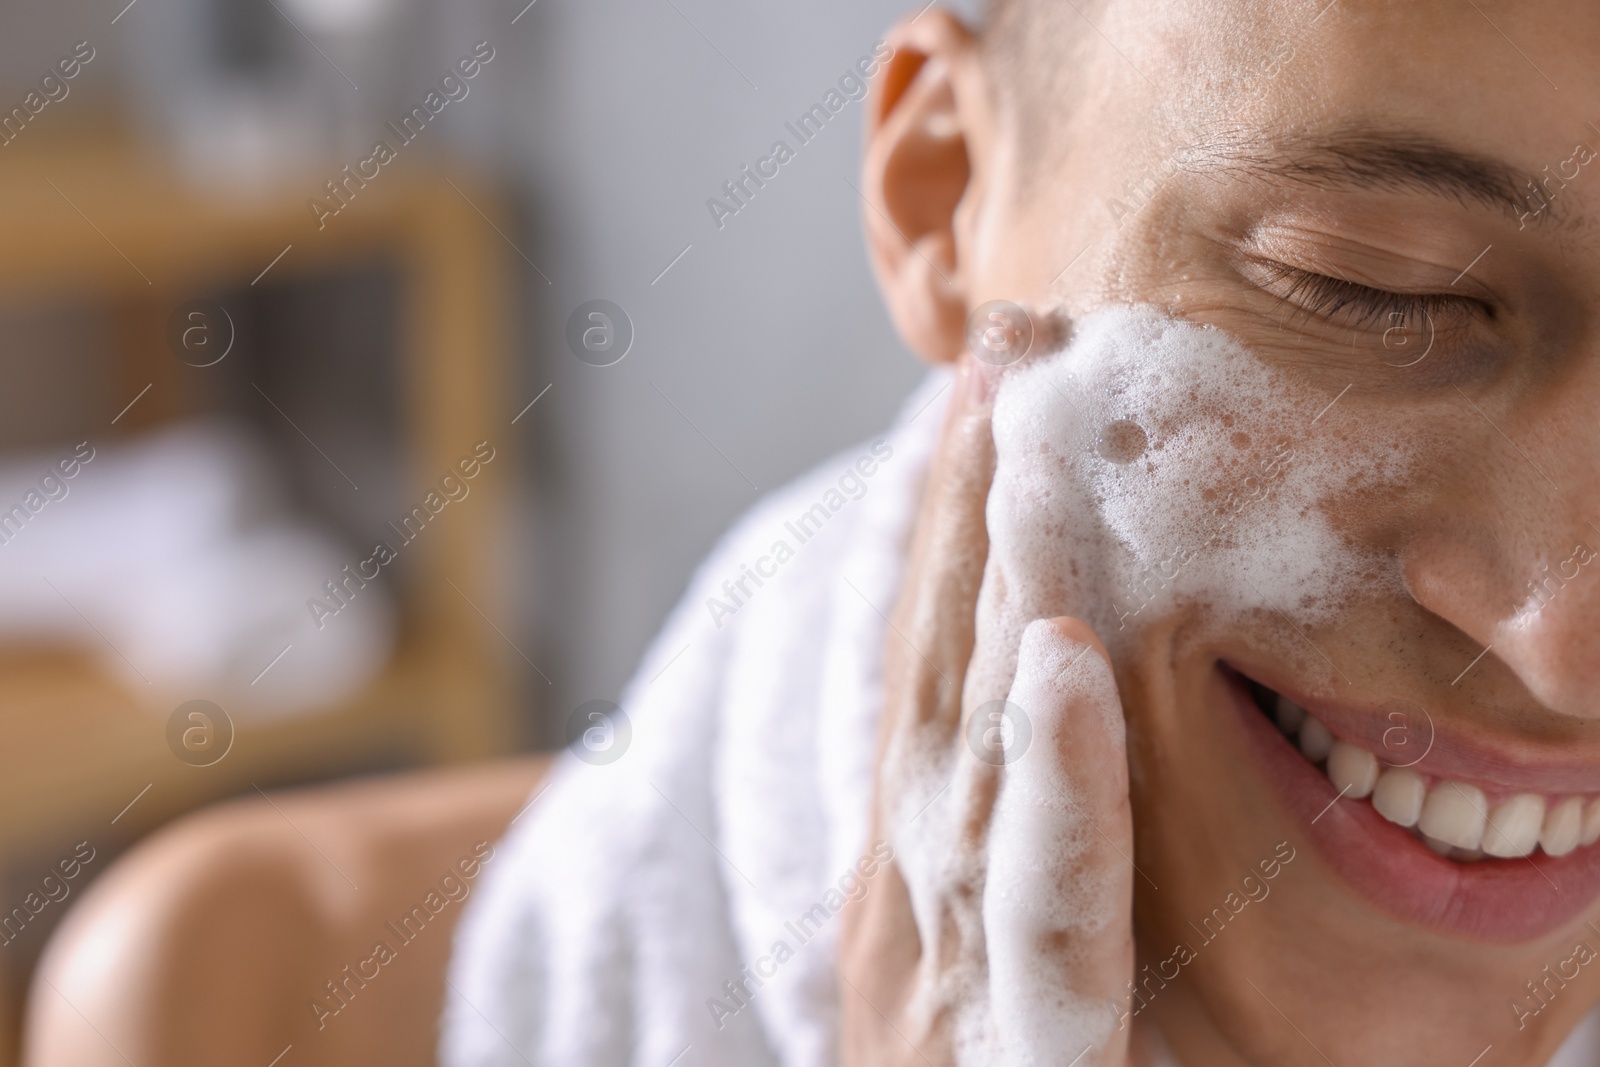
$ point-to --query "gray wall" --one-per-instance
(768, 333)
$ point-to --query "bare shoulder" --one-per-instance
(319, 918)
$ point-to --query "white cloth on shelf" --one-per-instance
(167, 557)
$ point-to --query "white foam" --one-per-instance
(1057, 901)
(1151, 469)
(1227, 510)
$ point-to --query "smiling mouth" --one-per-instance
(1471, 850)
(1461, 821)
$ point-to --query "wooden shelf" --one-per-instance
(100, 220)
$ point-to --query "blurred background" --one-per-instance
(315, 459)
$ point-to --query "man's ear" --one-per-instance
(929, 123)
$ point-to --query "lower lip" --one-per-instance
(1491, 900)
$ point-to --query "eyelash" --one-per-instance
(1318, 294)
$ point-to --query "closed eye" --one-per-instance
(1353, 304)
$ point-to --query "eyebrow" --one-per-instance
(1375, 159)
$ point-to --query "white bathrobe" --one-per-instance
(613, 915)
(632, 917)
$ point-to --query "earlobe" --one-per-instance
(930, 112)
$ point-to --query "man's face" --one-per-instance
(1393, 205)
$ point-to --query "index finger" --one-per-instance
(1058, 893)
(935, 619)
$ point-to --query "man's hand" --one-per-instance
(1002, 932)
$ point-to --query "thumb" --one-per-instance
(1058, 896)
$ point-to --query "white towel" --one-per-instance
(616, 909)
(169, 556)
(631, 892)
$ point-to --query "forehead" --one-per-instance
(1512, 80)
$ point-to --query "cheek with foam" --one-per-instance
(1155, 466)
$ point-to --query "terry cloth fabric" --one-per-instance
(633, 916)
(624, 911)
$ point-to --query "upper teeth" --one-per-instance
(1453, 818)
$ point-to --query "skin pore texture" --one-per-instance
(1323, 436)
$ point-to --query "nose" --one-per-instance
(1551, 639)
(1514, 563)
(1536, 611)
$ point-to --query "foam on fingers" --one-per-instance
(1153, 472)
(1058, 895)
(1062, 665)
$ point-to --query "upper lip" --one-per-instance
(1498, 762)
